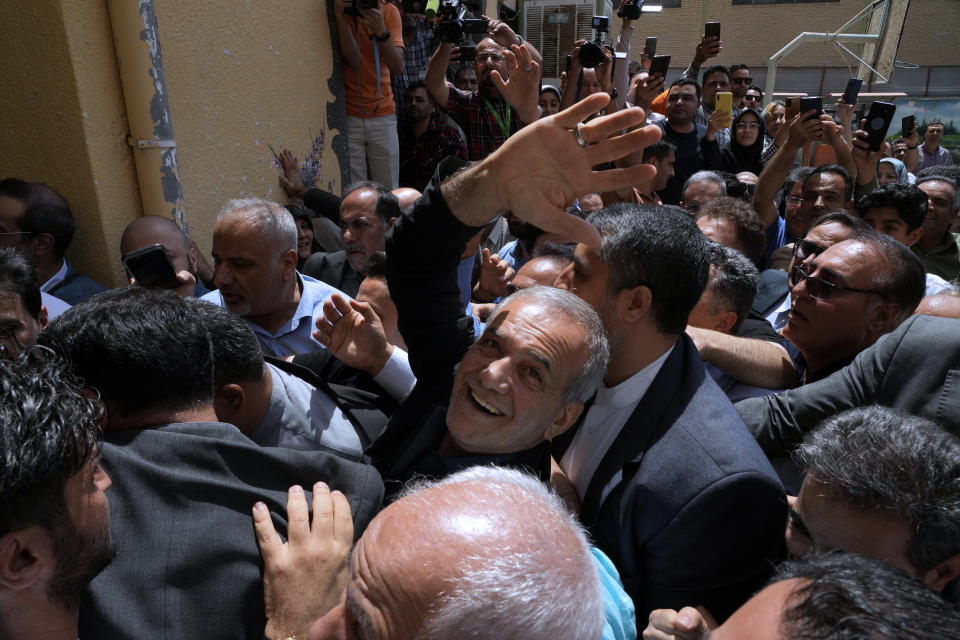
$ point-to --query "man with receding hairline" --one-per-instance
(149, 230)
(255, 268)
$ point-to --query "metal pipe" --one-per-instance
(808, 36)
(137, 42)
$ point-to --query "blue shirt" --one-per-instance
(296, 334)
(619, 618)
(512, 254)
(777, 236)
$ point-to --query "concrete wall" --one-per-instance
(61, 114)
(241, 77)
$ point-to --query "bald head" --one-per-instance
(406, 196)
(542, 270)
(465, 557)
(945, 305)
(149, 230)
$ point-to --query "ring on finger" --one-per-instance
(578, 135)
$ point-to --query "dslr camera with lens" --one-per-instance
(591, 53)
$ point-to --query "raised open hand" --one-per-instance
(353, 333)
(304, 577)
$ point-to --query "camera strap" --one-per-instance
(376, 60)
(504, 129)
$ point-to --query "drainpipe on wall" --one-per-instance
(137, 42)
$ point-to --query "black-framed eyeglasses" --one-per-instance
(691, 207)
(820, 289)
(742, 126)
(742, 81)
(803, 249)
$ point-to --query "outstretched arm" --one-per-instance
(436, 80)
(760, 363)
(771, 178)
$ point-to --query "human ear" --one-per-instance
(25, 555)
(942, 574)
(565, 418)
(635, 303)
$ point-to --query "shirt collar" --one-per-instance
(57, 278)
(627, 392)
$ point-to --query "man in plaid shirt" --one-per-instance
(508, 92)
(424, 141)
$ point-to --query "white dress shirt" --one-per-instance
(605, 419)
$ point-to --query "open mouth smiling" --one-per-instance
(486, 407)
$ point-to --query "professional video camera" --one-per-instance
(452, 20)
(591, 53)
(632, 9)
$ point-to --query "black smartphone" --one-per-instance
(852, 91)
(651, 47)
(907, 125)
(151, 267)
(877, 122)
(660, 65)
(711, 29)
(813, 102)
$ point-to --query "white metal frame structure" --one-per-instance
(880, 43)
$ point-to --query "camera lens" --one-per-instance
(591, 54)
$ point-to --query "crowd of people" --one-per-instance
(570, 362)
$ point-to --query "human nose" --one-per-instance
(496, 375)
(222, 275)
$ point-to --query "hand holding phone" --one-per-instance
(711, 29)
(813, 102)
(877, 123)
(724, 104)
(852, 91)
(151, 267)
(660, 65)
(907, 125)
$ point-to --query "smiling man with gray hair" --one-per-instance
(255, 270)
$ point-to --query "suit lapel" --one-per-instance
(647, 420)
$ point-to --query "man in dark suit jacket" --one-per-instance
(42, 227)
(183, 483)
(915, 369)
(478, 404)
(368, 210)
(672, 488)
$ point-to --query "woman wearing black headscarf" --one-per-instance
(746, 143)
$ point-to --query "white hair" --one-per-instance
(584, 384)
(539, 578)
(274, 223)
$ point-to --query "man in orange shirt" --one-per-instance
(371, 44)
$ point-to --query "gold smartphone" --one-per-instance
(724, 104)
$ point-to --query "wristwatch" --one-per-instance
(384, 37)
